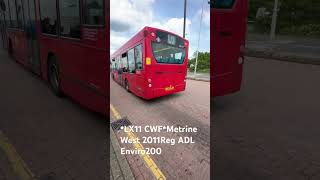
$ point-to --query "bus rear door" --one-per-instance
(228, 32)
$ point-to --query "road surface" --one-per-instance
(191, 108)
(54, 137)
(269, 130)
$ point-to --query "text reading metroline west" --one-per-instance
(155, 139)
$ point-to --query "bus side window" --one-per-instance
(19, 14)
(132, 67)
(118, 63)
(113, 63)
(48, 17)
(93, 12)
(7, 13)
(70, 18)
(13, 14)
(124, 61)
(138, 57)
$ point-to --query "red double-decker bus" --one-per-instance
(151, 64)
(228, 33)
(66, 42)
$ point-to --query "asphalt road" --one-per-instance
(53, 136)
(192, 108)
(269, 130)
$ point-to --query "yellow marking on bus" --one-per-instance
(146, 158)
(19, 166)
(148, 61)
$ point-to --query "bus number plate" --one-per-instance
(169, 88)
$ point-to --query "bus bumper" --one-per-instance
(158, 92)
(226, 84)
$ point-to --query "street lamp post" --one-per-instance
(274, 20)
(196, 65)
(184, 18)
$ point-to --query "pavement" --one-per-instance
(120, 169)
(270, 129)
(189, 108)
(286, 48)
(54, 138)
(199, 76)
(6, 169)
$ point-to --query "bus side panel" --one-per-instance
(96, 70)
(73, 59)
(18, 40)
(85, 70)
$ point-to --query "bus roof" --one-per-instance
(137, 37)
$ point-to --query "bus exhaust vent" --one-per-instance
(50, 176)
(116, 125)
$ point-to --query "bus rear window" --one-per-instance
(164, 53)
(168, 48)
(222, 4)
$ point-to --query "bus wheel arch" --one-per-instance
(53, 74)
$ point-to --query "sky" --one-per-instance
(127, 17)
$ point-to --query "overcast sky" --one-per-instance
(130, 16)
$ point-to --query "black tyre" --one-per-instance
(126, 85)
(54, 76)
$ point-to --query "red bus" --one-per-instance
(151, 64)
(66, 42)
(3, 14)
(228, 33)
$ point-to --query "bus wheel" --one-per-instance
(54, 76)
(126, 85)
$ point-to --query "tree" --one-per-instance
(203, 62)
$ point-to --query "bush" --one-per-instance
(262, 25)
(303, 30)
(203, 62)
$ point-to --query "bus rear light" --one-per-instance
(240, 60)
(148, 61)
(153, 34)
(150, 85)
(149, 81)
